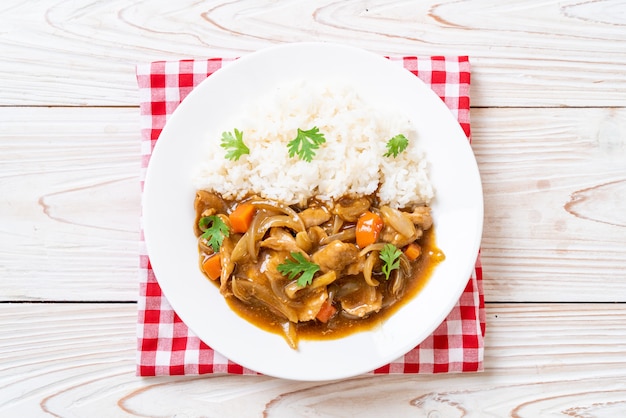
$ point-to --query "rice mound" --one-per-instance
(349, 163)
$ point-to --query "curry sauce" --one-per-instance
(317, 270)
(341, 326)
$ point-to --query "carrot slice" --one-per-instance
(326, 312)
(368, 227)
(212, 266)
(412, 251)
(241, 218)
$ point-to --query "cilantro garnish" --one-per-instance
(305, 143)
(390, 255)
(396, 145)
(298, 265)
(214, 231)
(234, 145)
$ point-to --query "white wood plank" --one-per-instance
(525, 53)
(555, 203)
(70, 203)
(541, 360)
(554, 183)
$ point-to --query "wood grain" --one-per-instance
(78, 360)
(553, 184)
(70, 203)
(524, 53)
(549, 129)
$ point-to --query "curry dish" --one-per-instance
(315, 270)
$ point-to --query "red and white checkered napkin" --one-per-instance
(167, 347)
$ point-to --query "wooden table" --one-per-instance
(549, 133)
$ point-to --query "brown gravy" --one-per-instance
(340, 326)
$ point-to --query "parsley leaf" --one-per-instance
(390, 255)
(214, 231)
(298, 265)
(305, 143)
(396, 145)
(234, 145)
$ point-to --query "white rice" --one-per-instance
(350, 163)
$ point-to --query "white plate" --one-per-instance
(168, 212)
